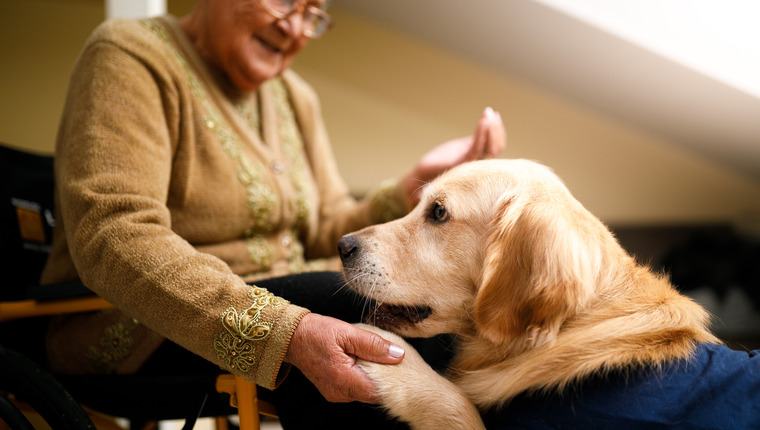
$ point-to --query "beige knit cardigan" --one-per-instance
(172, 188)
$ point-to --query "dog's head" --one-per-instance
(498, 245)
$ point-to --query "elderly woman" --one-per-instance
(190, 160)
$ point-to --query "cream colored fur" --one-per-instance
(537, 288)
(417, 394)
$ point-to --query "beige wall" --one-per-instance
(39, 41)
(387, 99)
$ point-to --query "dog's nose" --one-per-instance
(347, 247)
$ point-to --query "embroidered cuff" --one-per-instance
(254, 341)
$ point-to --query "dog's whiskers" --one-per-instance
(368, 279)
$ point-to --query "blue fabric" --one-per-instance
(718, 388)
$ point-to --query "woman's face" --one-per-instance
(248, 43)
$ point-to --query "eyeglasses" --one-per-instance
(316, 22)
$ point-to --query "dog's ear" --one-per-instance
(540, 268)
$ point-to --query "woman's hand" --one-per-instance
(324, 349)
(489, 140)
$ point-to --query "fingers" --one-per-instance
(481, 136)
(489, 139)
(497, 134)
(371, 347)
(324, 349)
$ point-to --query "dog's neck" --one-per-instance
(650, 325)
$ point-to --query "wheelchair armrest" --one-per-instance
(52, 299)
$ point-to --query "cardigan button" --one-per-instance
(277, 167)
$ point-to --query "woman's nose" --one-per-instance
(292, 24)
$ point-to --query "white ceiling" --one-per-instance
(610, 60)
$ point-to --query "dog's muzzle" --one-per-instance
(383, 315)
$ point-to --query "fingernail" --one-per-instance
(395, 351)
(489, 112)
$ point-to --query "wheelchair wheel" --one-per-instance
(31, 384)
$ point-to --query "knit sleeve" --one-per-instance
(114, 166)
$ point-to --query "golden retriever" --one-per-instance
(537, 288)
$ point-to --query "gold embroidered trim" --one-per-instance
(249, 111)
(292, 146)
(115, 345)
(235, 347)
(261, 251)
(261, 198)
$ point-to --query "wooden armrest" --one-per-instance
(244, 397)
(36, 308)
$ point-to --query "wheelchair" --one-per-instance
(30, 396)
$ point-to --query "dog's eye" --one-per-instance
(439, 213)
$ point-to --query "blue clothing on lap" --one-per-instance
(718, 388)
